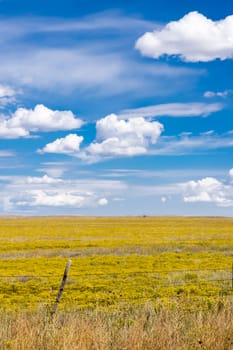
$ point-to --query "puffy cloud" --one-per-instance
(123, 137)
(193, 38)
(42, 198)
(39, 119)
(103, 201)
(65, 199)
(111, 126)
(8, 132)
(116, 147)
(49, 198)
(66, 145)
(114, 138)
(231, 173)
(209, 190)
(21, 193)
(173, 110)
(222, 94)
(42, 118)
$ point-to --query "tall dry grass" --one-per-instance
(126, 328)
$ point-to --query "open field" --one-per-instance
(114, 260)
(134, 283)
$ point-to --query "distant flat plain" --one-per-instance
(114, 259)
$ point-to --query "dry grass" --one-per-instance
(107, 254)
(126, 328)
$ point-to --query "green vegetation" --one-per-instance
(115, 261)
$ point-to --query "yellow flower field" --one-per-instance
(114, 260)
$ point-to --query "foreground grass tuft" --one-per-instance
(125, 328)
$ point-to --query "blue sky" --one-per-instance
(116, 108)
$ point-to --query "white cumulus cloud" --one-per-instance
(209, 190)
(42, 198)
(66, 145)
(40, 119)
(116, 137)
(7, 132)
(21, 193)
(111, 126)
(103, 201)
(193, 38)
